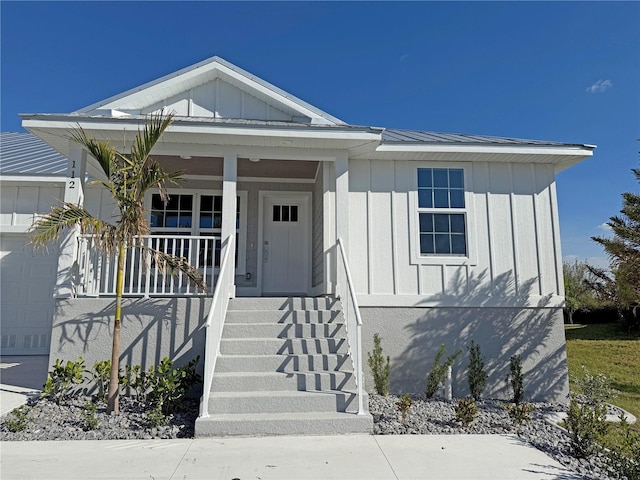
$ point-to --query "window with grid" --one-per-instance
(188, 214)
(441, 211)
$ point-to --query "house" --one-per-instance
(313, 235)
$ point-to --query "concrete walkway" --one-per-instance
(345, 457)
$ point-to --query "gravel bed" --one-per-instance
(438, 418)
(49, 421)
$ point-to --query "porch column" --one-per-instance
(229, 206)
(73, 193)
(342, 215)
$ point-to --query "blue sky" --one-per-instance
(563, 71)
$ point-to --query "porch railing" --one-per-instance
(96, 275)
(215, 322)
(353, 322)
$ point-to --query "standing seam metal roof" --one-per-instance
(26, 154)
(419, 137)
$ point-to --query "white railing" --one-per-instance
(215, 322)
(353, 323)
(97, 271)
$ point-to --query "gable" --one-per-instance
(219, 99)
(213, 89)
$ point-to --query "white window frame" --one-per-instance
(417, 258)
(241, 233)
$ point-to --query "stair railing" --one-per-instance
(215, 321)
(353, 322)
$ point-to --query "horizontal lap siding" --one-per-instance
(512, 233)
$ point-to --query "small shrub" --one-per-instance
(466, 411)
(155, 417)
(162, 385)
(516, 379)
(597, 388)
(89, 414)
(101, 376)
(380, 367)
(439, 371)
(586, 425)
(519, 413)
(403, 405)
(476, 374)
(623, 461)
(18, 419)
(170, 386)
(137, 380)
(62, 378)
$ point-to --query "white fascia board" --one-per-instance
(328, 133)
(185, 74)
(578, 150)
(31, 179)
(280, 97)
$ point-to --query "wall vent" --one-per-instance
(36, 341)
(8, 341)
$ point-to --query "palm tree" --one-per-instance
(128, 178)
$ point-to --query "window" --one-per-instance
(195, 214)
(441, 212)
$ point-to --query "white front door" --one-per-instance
(286, 244)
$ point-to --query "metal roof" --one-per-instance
(416, 137)
(26, 154)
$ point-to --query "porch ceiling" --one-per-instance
(246, 168)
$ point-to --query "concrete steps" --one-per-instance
(282, 363)
(284, 368)
(309, 423)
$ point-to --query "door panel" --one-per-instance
(285, 245)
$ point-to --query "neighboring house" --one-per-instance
(449, 238)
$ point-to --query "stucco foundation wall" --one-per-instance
(411, 337)
(151, 329)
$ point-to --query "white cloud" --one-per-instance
(605, 227)
(600, 86)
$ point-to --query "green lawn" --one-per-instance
(604, 348)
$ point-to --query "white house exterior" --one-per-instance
(449, 238)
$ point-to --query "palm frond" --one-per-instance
(149, 136)
(101, 150)
(173, 264)
(48, 227)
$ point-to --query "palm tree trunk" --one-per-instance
(113, 405)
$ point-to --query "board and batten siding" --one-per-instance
(218, 99)
(512, 237)
(20, 203)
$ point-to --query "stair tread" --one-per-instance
(279, 393)
(284, 416)
(280, 374)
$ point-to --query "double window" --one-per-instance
(198, 214)
(441, 212)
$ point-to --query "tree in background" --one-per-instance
(622, 284)
(578, 295)
(128, 178)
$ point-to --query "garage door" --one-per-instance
(27, 280)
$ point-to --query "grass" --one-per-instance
(605, 348)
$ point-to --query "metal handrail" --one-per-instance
(357, 358)
(215, 323)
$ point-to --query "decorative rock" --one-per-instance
(438, 418)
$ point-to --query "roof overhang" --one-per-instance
(209, 137)
(562, 156)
